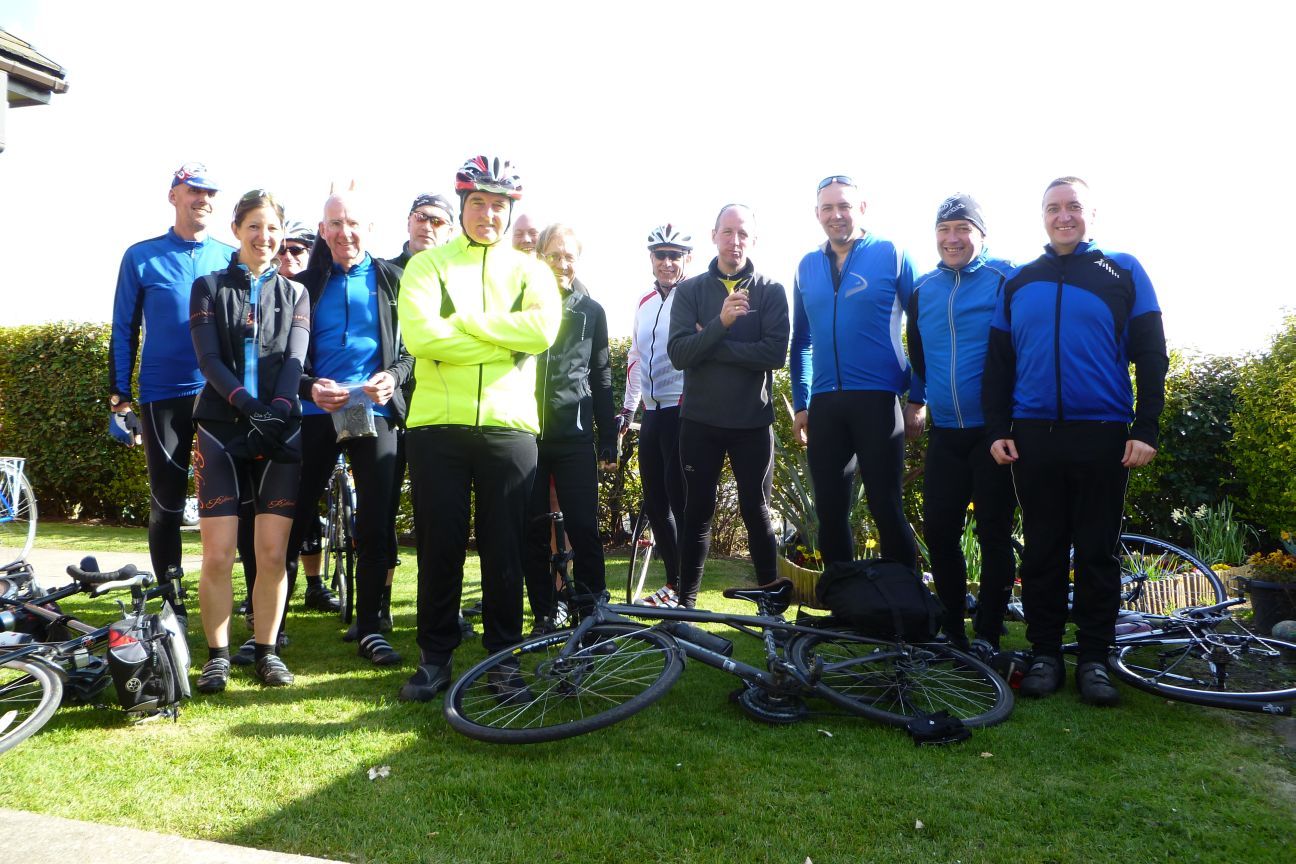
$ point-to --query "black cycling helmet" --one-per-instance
(489, 174)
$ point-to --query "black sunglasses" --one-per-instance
(295, 251)
(667, 256)
(836, 178)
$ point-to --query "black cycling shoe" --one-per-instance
(272, 672)
(508, 685)
(378, 651)
(424, 685)
(321, 599)
(1096, 687)
(466, 630)
(1043, 678)
(352, 633)
(215, 675)
(245, 655)
(473, 611)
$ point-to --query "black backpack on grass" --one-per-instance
(880, 598)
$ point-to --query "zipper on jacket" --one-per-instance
(836, 283)
(477, 422)
(1057, 345)
(953, 370)
(652, 351)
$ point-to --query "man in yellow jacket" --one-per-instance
(474, 312)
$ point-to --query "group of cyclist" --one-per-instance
(489, 372)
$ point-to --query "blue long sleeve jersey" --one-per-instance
(846, 327)
(1065, 329)
(151, 306)
(948, 322)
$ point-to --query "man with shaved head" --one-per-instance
(526, 231)
(728, 333)
(356, 362)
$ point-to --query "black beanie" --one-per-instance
(961, 207)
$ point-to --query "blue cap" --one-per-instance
(193, 174)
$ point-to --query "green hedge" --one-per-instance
(53, 411)
(1229, 430)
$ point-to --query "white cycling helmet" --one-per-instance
(669, 235)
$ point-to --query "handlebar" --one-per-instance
(99, 584)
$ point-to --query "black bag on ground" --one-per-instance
(880, 598)
(147, 665)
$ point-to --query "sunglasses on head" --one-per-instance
(836, 178)
(667, 255)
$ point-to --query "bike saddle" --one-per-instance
(777, 594)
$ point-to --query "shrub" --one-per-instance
(1264, 439)
(1192, 467)
(53, 386)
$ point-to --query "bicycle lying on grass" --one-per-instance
(611, 665)
(1176, 639)
(147, 655)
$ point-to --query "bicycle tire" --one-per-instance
(568, 696)
(1230, 668)
(17, 517)
(30, 693)
(894, 683)
(642, 547)
(1196, 583)
(332, 548)
(348, 554)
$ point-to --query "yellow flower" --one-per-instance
(870, 543)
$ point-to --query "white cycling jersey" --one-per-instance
(649, 373)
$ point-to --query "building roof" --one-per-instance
(32, 77)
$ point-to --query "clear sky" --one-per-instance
(623, 116)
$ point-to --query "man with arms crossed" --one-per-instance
(729, 332)
(1060, 410)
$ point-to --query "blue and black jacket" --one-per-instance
(152, 305)
(1064, 332)
(948, 323)
(846, 326)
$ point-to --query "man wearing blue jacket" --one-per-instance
(949, 330)
(1060, 410)
(849, 371)
(151, 321)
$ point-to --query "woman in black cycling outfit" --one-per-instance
(250, 329)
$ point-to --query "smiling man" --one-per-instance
(152, 305)
(849, 371)
(1060, 410)
(475, 313)
(526, 232)
(949, 329)
(728, 333)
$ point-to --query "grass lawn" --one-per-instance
(690, 779)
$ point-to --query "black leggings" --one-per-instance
(859, 430)
(373, 467)
(168, 431)
(751, 455)
(447, 465)
(570, 462)
(663, 483)
(1071, 486)
(960, 469)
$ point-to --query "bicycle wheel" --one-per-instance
(642, 547)
(333, 550)
(17, 516)
(620, 670)
(1221, 667)
(1159, 577)
(348, 555)
(29, 695)
(894, 683)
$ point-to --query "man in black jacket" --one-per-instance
(729, 332)
(431, 223)
(574, 395)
